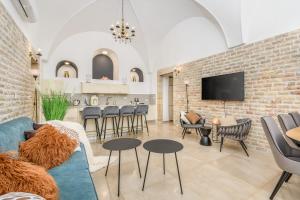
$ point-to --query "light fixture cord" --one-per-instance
(122, 9)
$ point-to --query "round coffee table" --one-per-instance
(122, 144)
(205, 131)
(163, 146)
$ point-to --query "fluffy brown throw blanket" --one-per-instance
(21, 176)
(48, 148)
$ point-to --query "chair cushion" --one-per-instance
(48, 148)
(193, 117)
(228, 121)
(183, 117)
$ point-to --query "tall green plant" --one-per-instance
(54, 105)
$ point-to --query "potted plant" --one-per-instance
(55, 105)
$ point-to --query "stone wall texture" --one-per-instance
(272, 82)
(16, 81)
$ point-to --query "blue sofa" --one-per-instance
(72, 177)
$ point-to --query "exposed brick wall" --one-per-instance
(272, 82)
(16, 82)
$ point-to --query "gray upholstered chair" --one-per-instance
(287, 122)
(286, 157)
(128, 113)
(140, 111)
(296, 117)
(91, 113)
(185, 127)
(110, 112)
(237, 132)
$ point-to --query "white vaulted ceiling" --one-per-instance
(153, 19)
(233, 22)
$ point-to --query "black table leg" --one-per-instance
(178, 173)
(137, 159)
(108, 163)
(119, 173)
(146, 170)
(164, 163)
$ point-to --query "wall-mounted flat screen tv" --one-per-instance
(228, 87)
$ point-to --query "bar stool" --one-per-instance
(128, 113)
(91, 113)
(140, 111)
(111, 112)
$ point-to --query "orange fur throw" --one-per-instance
(19, 176)
(48, 148)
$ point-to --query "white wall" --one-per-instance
(29, 29)
(80, 49)
(262, 19)
(190, 40)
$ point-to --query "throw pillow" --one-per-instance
(20, 196)
(194, 118)
(48, 148)
(228, 121)
(22, 176)
(69, 132)
(183, 117)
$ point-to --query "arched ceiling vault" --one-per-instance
(152, 19)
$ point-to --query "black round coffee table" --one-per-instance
(122, 144)
(163, 146)
(205, 131)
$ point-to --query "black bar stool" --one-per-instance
(128, 113)
(91, 113)
(111, 112)
(140, 111)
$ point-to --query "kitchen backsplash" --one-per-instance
(116, 99)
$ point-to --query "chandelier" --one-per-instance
(122, 32)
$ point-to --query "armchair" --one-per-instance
(237, 132)
(186, 126)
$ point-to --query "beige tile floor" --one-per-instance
(206, 173)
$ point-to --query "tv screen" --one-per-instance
(228, 87)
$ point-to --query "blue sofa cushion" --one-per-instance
(73, 178)
(75, 185)
(12, 133)
(77, 161)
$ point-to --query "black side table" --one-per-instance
(120, 145)
(205, 140)
(163, 146)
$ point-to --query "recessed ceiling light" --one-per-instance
(104, 52)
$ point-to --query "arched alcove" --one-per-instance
(66, 69)
(105, 65)
(136, 75)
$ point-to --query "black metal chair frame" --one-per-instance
(113, 117)
(139, 114)
(237, 132)
(186, 126)
(129, 115)
(92, 113)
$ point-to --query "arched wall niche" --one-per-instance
(136, 75)
(66, 69)
(105, 65)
